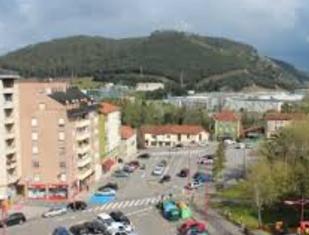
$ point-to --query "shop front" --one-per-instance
(47, 191)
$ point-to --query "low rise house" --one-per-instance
(227, 125)
(172, 135)
(277, 121)
(129, 145)
(149, 86)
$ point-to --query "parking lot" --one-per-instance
(140, 192)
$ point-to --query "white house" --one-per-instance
(129, 145)
(149, 86)
(171, 135)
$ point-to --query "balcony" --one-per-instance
(82, 135)
(9, 120)
(9, 135)
(8, 104)
(83, 174)
(8, 90)
(12, 178)
(10, 149)
(84, 161)
(83, 149)
(82, 123)
(11, 165)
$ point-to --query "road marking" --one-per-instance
(139, 211)
(108, 206)
(126, 204)
(131, 203)
(121, 204)
(136, 202)
(115, 205)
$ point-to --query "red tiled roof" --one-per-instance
(126, 132)
(226, 116)
(172, 129)
(107, 108)
(284, 116)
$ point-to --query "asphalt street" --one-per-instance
(138, 194)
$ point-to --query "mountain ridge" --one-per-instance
(175, 57)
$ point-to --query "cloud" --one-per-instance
(268, 24)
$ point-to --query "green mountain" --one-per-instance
(178, 59)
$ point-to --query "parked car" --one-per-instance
(13, 219)
(184, 172)
(109, 185)
(120, 174)
(144, 156)
(55, 211)
(240, 145)
(95, 227)
(112, 225)
(158, 170)
(194, 185)
(79, 229)
(119, 216)
(105, 218)
(191, 225)
(129, 168)
(202, 177)
(179, 145)
(77, 206)
(135, 163)
(163, 163)
(60, 231)
(165, 178)
(106, 192)
(205, 160)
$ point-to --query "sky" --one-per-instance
(277, 28)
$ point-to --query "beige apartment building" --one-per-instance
(10, 171)
(59, 139)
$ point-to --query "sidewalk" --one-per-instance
(31, 212)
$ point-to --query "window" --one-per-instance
(35, 164)
(61, 151)
(35, 149)
(61, 122)
(154, 136)
(188, 136)
(61, 135)
(42, 106)
(62, 164)
(36, 177)
(34, 122)
(34, 136)
(168, 136)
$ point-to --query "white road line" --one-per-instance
(115, 205)
(126, 204)
(131, 203)
(121, 204)
(136, 203)
(109, 205)
(148, 200)
(153, 200)
(141, 202)
(103, 207)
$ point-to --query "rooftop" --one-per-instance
(275, 116)
(172, 129)
(71, 95)
(5, 73)
(226, 116)
(107, 108)
(126, 132)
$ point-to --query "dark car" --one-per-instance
(179, 145)
(165, 178)
(13, 219)
(134, 164)
(60, 231)
(79, 229)
(120, 174)
(184, 172)
(95, 227)
(109, 185)
(202, 177)
(144, 156)
(77, 205)
(163, 163)
(119, 216)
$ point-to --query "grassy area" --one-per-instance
(86, 83)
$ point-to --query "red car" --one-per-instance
(189, 224)
(134, 164)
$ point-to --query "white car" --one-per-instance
(240, 146)
(113, 226)
(194, 185)
(106, 192)
(205, 161)
(158, 170)
(55, 211)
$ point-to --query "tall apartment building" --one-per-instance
(9, 139)
(59, 139)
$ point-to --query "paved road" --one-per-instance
(138, 194)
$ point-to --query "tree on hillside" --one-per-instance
(219, 162)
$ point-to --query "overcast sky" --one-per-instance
(278, 28)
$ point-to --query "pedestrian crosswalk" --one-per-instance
(125, 204)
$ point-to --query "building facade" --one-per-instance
(59, 139)
(172, 135)
(276, 121)
(227, 125)
(129, 142)
(110, 115)
(149, 86)
(10, 165)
